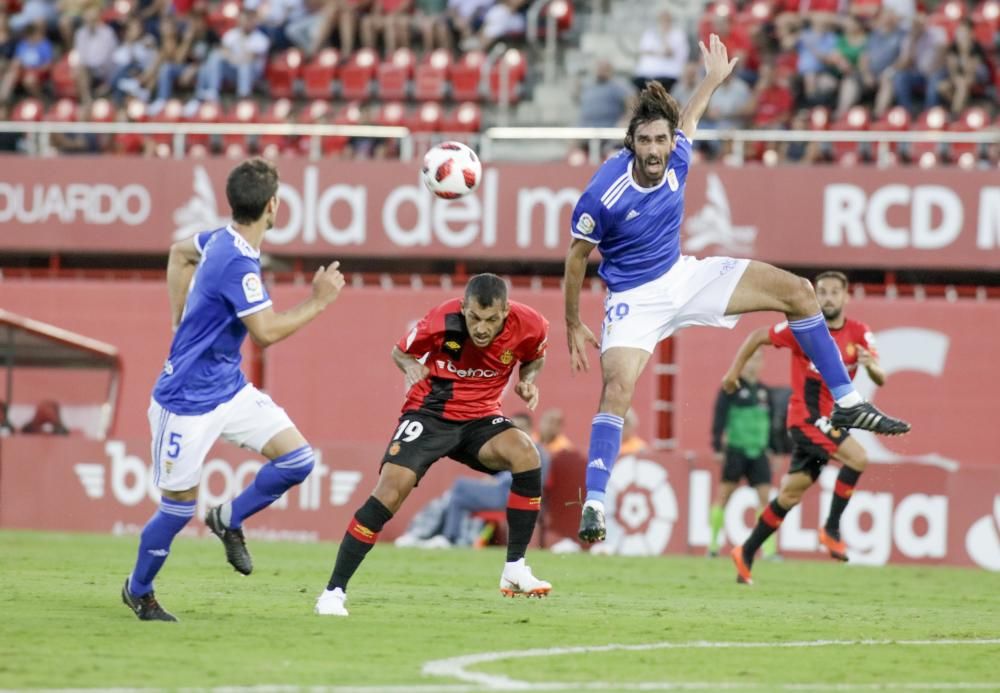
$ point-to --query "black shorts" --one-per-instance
(421, 439)
(738, 464)
(813, 446)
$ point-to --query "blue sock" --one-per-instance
(813, 336)
(605, 440)
(154, 543)
(273, 479)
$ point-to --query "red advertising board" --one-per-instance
(849, 217)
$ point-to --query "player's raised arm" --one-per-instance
(181, 264)
(577, 334)
(267, 327)
(718, 67)
(756, 339)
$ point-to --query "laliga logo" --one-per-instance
(982, 542)
(640, 498)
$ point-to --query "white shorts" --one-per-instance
(180, 443)
(692, 292)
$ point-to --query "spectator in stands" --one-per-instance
(79, 142)
(8, 44)
(349, 19)
(47, 420)
(179, 62)
(34, 12)
(131, 61)
(71, 13)
(387, 25)
(276, 16)
(149, 13)
(967, 67)
(95, 43)
(460, 21)
(504, 18)
(731, 107)
(685, 86)
(632, 444)
(885, 43)
(311, 31)
(550, 432)
(663, 53)
(773, 99)
(921, 67)
(817, 43)
(424, 20)
(30, 66)
(851, 43)
(240, 59)
(800, 152)
(605, 101)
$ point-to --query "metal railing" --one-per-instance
(594, 137)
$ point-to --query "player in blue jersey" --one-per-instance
(632, 210)
(216, 298)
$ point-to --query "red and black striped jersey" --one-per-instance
(811, 398)
(466, 382)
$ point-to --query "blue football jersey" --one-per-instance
(636, 229)
(203, 369)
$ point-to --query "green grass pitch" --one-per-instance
(62, 624)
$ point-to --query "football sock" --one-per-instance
(273, 479)
(155, 540)
(362, 532)
(605, 440)
(814, 337)
(715, 519)
(523, 505)
(842, 491)
(768, 524)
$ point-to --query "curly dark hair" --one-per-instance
(655, 103)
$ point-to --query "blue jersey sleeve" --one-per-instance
(200, 239)
(680, 158)
(242, 287)
(587, 222)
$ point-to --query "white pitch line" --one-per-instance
(456, 667)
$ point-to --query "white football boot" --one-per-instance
(331, 603)
(517, 580)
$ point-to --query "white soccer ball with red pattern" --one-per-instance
(451, 170)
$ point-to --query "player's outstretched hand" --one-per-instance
(327, 283)
(528, 392)
(579, 336)
(731, 382)
(865, 357)
(718, 66)
(414, 373)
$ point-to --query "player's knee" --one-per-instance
(617, 396)
(802, 297)
(788, 498)
(525, 456)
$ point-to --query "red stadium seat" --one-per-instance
(282, 72)
(350, 114)
(973, 119)
(513, 63)
(280, 111)
(132, 143)
(430, 77)
(27, 110)
(117, 12)
(819, 118)
(896, 119)
(318, 76)
(754, 14)
(235, 150)
(224, 17)
(856, 119)
(935, 118)
(947, 15)
(207, 113)
(394, 75)
(391, 114)
(466, 75)
(63, 81)
(986, 23)
(562, 11)
(172, 112)
(468, 117)
(62, 111)
(103, 111)
(243, 111)
(357, 75)
(427, 118)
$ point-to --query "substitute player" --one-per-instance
(457, 362)
(816, 439)
(216, 297)
(632, 210)
(741, 435)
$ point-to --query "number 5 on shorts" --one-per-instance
(409, 431)
(174, 446)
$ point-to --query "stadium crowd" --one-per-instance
(889, 65)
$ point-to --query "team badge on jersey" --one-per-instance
(586, 224)
(252, 288)
(507, 357)
(672, 180)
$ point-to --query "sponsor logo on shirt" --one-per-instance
(253, 290)
(586, 224)
(472, 372)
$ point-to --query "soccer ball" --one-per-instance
(451, 170)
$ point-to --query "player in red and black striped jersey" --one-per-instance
(456, 363)
(815, 439)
